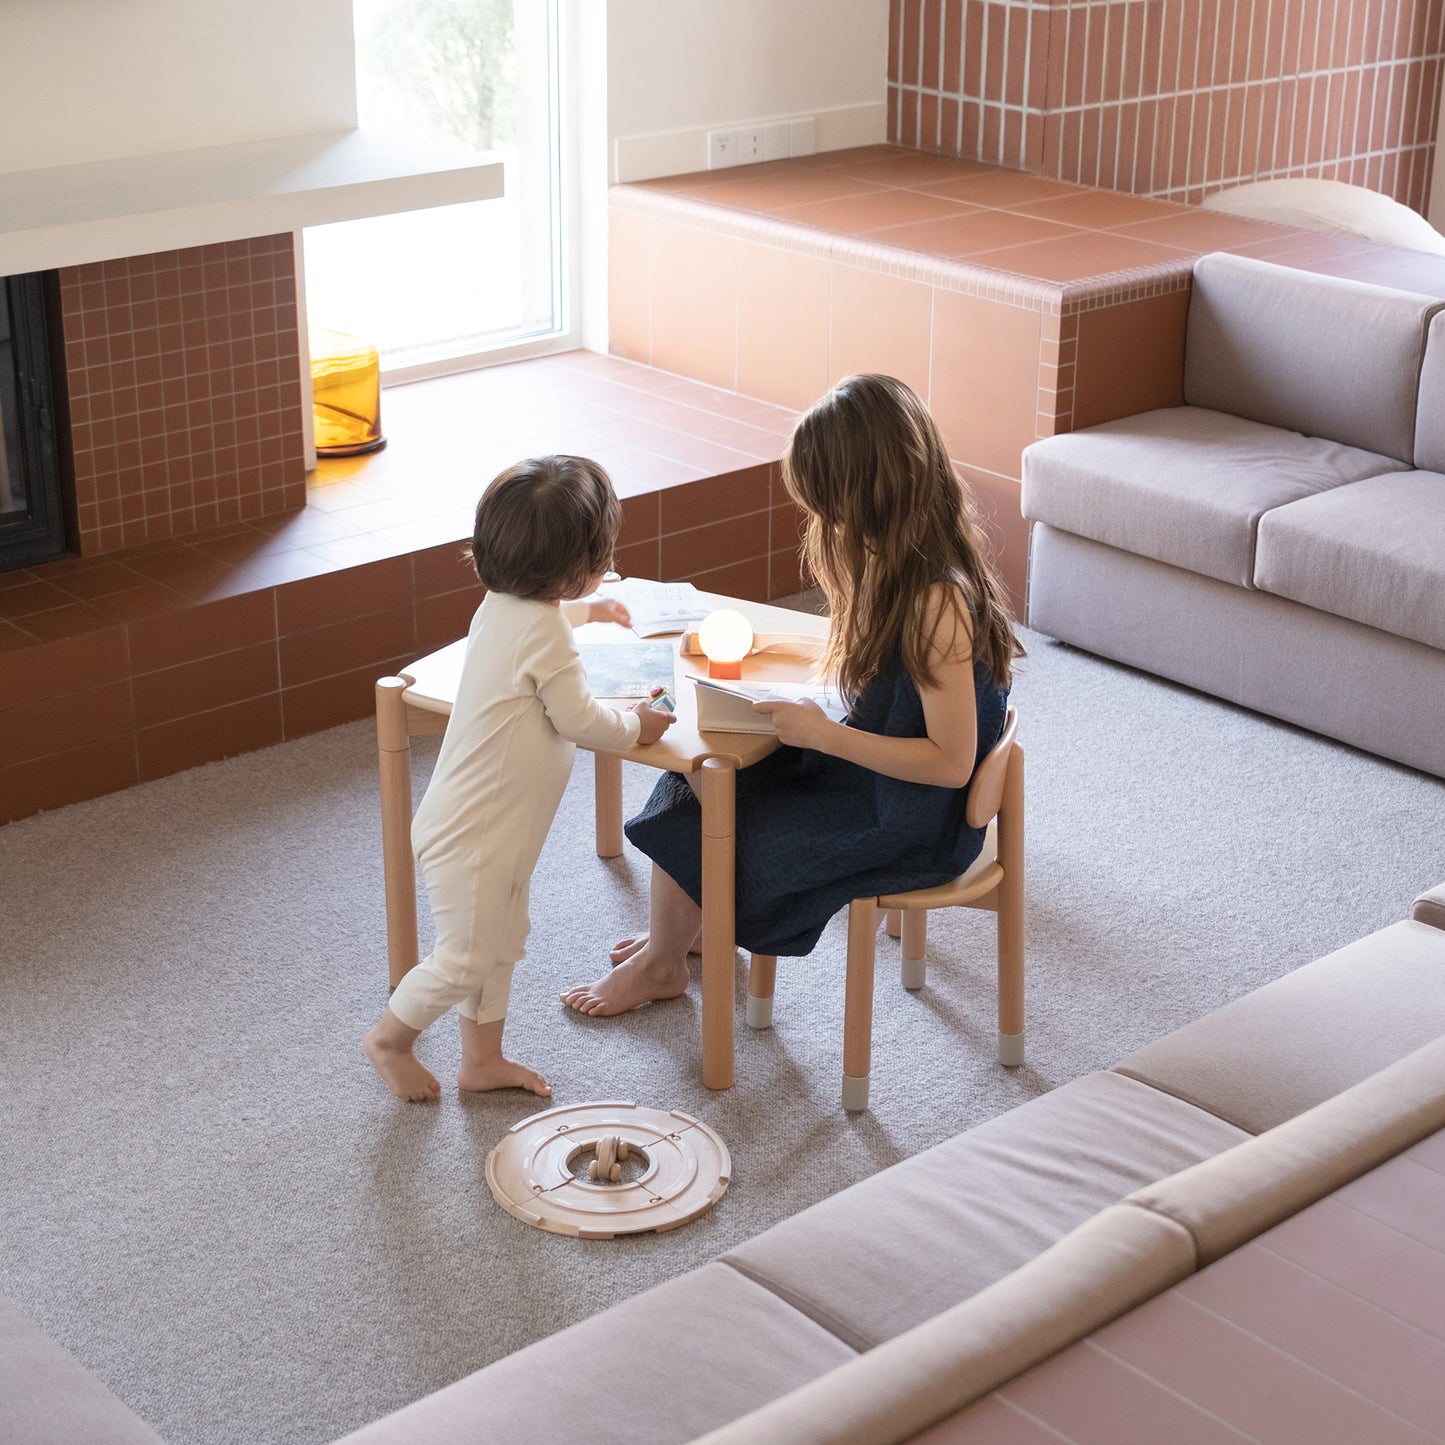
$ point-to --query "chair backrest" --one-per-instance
(985, 791)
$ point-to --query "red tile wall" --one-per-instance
(1173, 99)
(184, 378)
(126, 701)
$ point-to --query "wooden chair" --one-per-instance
(994, 881)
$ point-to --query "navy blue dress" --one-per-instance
(815, 832)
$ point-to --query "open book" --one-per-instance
(659, 608)
(726, 707)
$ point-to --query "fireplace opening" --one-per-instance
(32, 508)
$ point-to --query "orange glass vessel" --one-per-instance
(345, 394)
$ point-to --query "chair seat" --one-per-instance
(980, 878)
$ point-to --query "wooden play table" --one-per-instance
(419, 702)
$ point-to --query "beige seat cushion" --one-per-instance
(1285, 1047)
(1373, 551)
(1183, 485)
(894, 1249)
(664, 1366)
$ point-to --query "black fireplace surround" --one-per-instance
(33, 519)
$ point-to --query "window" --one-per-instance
(439, 289)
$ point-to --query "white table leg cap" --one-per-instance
(915, 972)
(855, 1092)
(1010, 1050)
(760, 1013)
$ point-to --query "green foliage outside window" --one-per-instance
(438, 70)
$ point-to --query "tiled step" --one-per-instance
(1017, 306)
(134, 665)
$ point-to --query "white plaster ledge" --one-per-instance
(99, 211)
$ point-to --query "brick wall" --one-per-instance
(1172, 99)
(184, 379)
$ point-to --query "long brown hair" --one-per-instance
(887, 520)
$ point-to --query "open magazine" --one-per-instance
(726, 707)
(659, 608)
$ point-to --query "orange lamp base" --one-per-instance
(726, 671)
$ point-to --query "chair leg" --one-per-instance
(1011, 916)
(858, 1002)
(915, 945)
(895, 922)
(762, 977)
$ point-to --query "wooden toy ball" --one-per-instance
(610, 1148)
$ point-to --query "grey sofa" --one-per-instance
(901, 1301)
(1279, 539)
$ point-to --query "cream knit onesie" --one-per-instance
(521, 707)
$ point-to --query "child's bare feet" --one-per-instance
(400, 1069)
(501, 1074)
(637, 980)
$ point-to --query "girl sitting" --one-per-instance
(920, 641)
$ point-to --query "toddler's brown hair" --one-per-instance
(545, 528)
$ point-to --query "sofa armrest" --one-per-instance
(1429, 907)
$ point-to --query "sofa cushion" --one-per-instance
(1373, 551)
(1182, 485)
(1287, 1046)
(1314, 354)
(1430, 414)
(696, 1352)
(1112, 1262)
(894, 1249)
(46, 1398)
(1226, 1201)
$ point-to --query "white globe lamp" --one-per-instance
(726, 637)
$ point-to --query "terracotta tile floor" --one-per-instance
(446, 439)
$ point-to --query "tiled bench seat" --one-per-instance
(133, 665)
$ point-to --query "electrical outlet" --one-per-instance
(802, 140)
(749, 145)
(777, 142)
(721, 149)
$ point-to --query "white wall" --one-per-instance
(90, 80)
(676, 68)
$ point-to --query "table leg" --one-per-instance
(718, 794)
(398, 868)
(608, 806)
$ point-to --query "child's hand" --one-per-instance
(609, 609)
(800, 724)
(655, 721)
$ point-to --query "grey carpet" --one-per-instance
(212, 1202)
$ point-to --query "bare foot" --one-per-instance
(401, 1071)
(501, 1074)
(629, 985)
(624, 948)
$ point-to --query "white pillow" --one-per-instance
(1320, 205)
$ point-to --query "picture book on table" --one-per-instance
(627, 669)
(726, 707)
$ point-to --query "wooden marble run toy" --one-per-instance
(563, 1170)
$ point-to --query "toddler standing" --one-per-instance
(545, 530)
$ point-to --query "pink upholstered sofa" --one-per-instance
(963, 1293)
